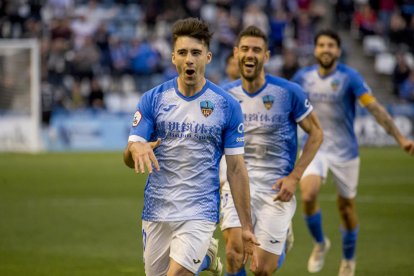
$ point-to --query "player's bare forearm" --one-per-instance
(313, 128)
(384, 119)
(239, 186)
(128, 157)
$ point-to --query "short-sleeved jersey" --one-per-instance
(194, 131)
(270, 124)
(334, 98)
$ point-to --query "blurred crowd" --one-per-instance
(392, 22)
(94, 51)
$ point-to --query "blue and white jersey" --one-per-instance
(334, 98)
(194, 131)
(270, 124)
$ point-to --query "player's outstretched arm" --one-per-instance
(239, 186)
(385, 120)
(138, 155)
(287, 185)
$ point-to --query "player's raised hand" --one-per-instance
(408, 146)
(249, 243)
(143, 155)
(287, 188)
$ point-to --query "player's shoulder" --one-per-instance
(306, 70)
(222, 91)
(343, 68)
(283, 83)
(231, 85)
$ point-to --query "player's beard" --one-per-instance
(327, 64)
(251, 76)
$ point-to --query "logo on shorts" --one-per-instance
(207, 108)
(274, 241)
(196, 261)
(268, 101)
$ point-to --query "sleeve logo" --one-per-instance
(307, 103)
(137, 118)
(240, 128)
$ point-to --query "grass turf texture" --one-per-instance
(79, 214)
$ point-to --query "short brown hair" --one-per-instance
(192, 27)
(252, 31)
(329, 33)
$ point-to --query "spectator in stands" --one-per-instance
(385, 10)
(397, 30)
(365, 21)
(83, 65)
(400, 73)
(407, 88)
(145, 61)
(278, 23)
(232, 69)
(344, 10)
(290, 64)
(118, 52)
(96, 96)
(225, 32)
(303, 33)
(254, 15)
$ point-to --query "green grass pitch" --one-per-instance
(79, 214)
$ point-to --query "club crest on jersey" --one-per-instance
(268, 101)
(207, 108)
(335, 84)
(137, 118)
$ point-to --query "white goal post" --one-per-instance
(20, 110)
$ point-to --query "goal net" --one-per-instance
(19, 96)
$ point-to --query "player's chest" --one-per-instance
(330, 89)
(267, 111)
(178, 117)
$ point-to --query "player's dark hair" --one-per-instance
(329, 33)
(252, 31)
(192, 27)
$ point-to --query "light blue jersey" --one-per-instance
(334, 98)
(194, 131)
(270, 124)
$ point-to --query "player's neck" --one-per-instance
(326, 71)
(190, 90)
(254, 85)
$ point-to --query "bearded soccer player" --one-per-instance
(272, 108)
(334, 89)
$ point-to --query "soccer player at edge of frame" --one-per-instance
(178, 134)
(273, 108)
(333, 89)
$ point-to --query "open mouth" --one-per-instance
(190, 72)
(249, 64)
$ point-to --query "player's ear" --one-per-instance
(173, 58)
(235, 51)
(267, 55)
(209, 57)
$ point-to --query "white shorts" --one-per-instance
(271, 219)
(345, 174)
(186, 242)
